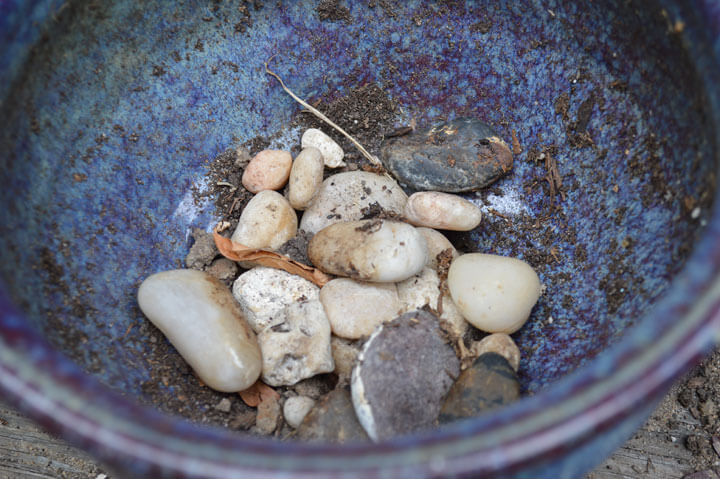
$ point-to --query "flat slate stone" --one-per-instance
(403, 372)
(332, 420)
(460, 155)
(489, 383)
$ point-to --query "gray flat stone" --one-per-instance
(332, 420)
(403, 373)
(460, 155)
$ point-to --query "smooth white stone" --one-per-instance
(369, 250)
(306, 176)
(263, 294)
(345, 197)
(355, 308)
(297, 346)
(267, 221)
(331, 151)
(494, 293)
(199, 316)
(296, 408)
(435, 209)
(436, 243)
(424, 288)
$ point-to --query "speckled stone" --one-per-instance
(332, 420)
(459, 155)
(403, 372)
(489, 383)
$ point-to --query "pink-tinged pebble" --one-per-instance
(268, 170)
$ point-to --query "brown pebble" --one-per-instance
(332, 420)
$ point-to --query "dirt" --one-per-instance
(333, 11)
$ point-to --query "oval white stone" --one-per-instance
(201, 319)
(355, 308)
(263, 294)
(435, 209)
(267, 221)
(306, 176)
(296, 408)
(494, 293)
(369, 250)
(331, 151)
(436, 243)
(345, 196)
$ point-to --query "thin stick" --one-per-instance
(318, 114)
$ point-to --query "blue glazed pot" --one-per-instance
(111, 110)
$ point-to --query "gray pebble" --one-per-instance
(332, 420)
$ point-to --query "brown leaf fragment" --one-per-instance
(258, 393)
(238, 252)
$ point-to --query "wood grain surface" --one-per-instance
(656, 451)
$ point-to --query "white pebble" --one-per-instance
(355, 308)
(201, 319)
(369, 250)
(296, 408)
(331, 151)
(297, 345)
(424, 289)
(494, 293)
(348, 196)
(268, 170)
(435, 209)
(306, 176)
(267, 221)
(436, 243)
(263, 294)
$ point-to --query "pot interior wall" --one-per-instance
(122, 104)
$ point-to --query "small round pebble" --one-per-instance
(331, 151)
(268, 221)
(436, 243)
(494, 293)
(306, 176)
(369, 250)
(268, 170)
(296, 408)
(435, 209)
(501, 344)
(355, 308)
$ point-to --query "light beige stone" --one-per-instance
(268, 170)
(306, 176)
(199, 316)
(267, 221)
(445, 211)
(436, 243)
(332, 152)
(296, 408)
(355, 308)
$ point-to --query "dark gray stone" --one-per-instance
(489, 383)
(403, 373)
(332, 420)
(460, 155)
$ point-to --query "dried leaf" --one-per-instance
(238, 252)
(257, 393)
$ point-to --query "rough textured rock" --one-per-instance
(268, 414)
(460, 155)
(350, 196)
(489, 383)
(268, 170)
(435, 209)
(199, 316)
(403, 372)
(345, 354)
(331, 151)
(267, 221)
(297, 345)
(494, 293)
(369, 250)
(306, 176)
(203, 250)
(332, 420)
(263, 293)
(296, 408)
(355, 308)
(223, 269)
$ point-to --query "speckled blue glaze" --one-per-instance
(111, 119)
